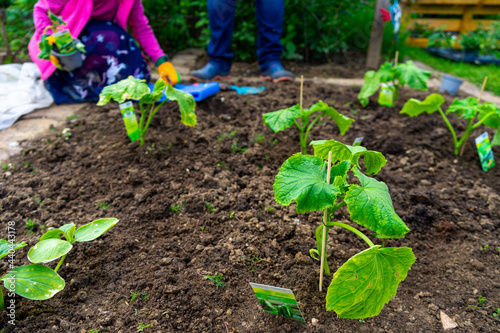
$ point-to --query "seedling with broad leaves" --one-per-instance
(37, 281)
(475, 113)
(366, 282)
(137, 89)
(396, 75)
(295, 115)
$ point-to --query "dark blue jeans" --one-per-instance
(269, 21)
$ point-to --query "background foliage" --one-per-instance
(314, 30)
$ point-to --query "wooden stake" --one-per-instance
(325, 220)
(301, 90)
(396, 58)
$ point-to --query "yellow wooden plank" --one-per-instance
(447, 24)
(438, 9)
(450, 2)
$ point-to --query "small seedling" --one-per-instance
(217, 280)
(73, 117)
(66, 134)
(296, 115)
(481, 300)
(136, 89)
(469, 108)
(396, 76)
(270, 209)
(39, 202)
(485, 247)
(231, 215)
(135, 295)
(32, 224)
(27, 164)
(259, 137)
(209, 206)
(141, 327)
(235, 149)
(253, 262)
(223, 136)
(202, 229)
(222, 165)
(6, 166)
(497, 313)
(175, 209)
(94, 330)
(103, 205)
(33, 172)
(273, 142)
(366, 282)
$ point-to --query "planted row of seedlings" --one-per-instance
(323, 182)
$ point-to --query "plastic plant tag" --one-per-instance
(278, 301)
(130, 120)
(485, 153)
(357, 141)
(386, 95)
(64, 41)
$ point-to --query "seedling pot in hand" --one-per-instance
(70, 61)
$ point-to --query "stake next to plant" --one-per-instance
(366, 282)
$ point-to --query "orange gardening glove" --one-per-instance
(168, 73)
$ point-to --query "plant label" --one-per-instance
(64, 41)
(386, 95)
(130, 120)
(278, 301)
(485, 153)
(357, 141)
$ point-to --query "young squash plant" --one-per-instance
(295, 115)
(366, 282)
(39, 282)
(469, 108)
(137, 89)
(396, 75)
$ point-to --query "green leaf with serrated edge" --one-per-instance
(411, 75)
(186, 105)
(282, 119)
(319, 244)
(373, 161)
(342, 121)
(413, 107)
(130, 88)
(303, 178)
(370, 205)
(69, 230)
(93, 230)
(491, 112)
(370, 86)
(496, 139)
(386, 72)
(48, 250)
(36, 282)
(466, 108)
(365, 283)
(7, 247)
(52, 234)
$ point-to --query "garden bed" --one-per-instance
(451, 206)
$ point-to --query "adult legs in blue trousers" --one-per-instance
(270, 25)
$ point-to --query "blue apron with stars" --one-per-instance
(111, 55)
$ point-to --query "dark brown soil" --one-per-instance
(450, 204)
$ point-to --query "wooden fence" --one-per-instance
(453, 15)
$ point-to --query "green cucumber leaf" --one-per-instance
(52, 234)
(365, 283)
(36, 282)
(93, 230)
(7, 247)
(413, 107)
(48, 250)
(466, 108)
(69, 230)
(386, 72)
(343, 122)
(303, 178)
(319, 243)
(130, 88)
(370, 205)
(186, 104)
(411, 75)
(373, 161)
(370, 87)
(282, 119)
(491, 111)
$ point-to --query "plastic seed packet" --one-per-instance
(130, 120)
(485, 153)
(278, 301)
(386, 95)
(357, 141)
(64, 41)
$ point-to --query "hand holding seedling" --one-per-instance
(469, 108)
(132, 88)
(39, 282)
(365, 283)
(397, 74)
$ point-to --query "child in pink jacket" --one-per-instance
(111, 53)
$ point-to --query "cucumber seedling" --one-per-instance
(296, 115)
(366, 282)
(393, 76)
(137, 89)
(469, 108)
(39, 282)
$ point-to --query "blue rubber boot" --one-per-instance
(211, 72)
(275, 72)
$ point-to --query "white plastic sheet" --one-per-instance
(21, 91)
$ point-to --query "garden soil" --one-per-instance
(219, 175)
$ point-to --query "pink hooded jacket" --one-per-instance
(76, 14)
